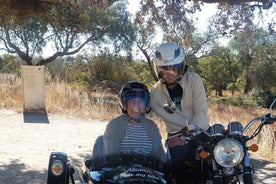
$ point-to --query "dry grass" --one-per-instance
(61, 99)
(10, 91)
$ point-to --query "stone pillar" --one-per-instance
(33, 79)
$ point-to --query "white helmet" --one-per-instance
(169, 55)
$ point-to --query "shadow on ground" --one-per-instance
(18, 173)
(35, 117)
(265, 171)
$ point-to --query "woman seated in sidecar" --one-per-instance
(130, 137)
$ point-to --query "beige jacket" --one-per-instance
(193, 104)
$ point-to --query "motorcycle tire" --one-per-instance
(247, 178)
(217, 180)
(185, 180)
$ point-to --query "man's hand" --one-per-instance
(175, 141)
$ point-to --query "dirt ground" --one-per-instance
(28, 139)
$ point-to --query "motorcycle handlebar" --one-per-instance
(266, 119)
(269, 119)
(186, 131)
(179, 133)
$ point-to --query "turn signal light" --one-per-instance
(203, 154)
(57, 167)
(254, 147)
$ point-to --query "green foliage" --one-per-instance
(142, 70)
(234, 101)
(218, 70)
(105, 73)
(10, 64)
(263, 72)
(55, 70)
(69, 25)
(232, 87)
(262, 97)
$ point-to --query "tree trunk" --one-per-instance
(247, 85)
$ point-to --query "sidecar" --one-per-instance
(119, 168)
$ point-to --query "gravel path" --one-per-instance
(28, 139)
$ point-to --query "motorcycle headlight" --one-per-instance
(228, 152)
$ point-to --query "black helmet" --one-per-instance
(134, 89)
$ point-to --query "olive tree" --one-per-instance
(69, 25)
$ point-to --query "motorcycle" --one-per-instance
(220, 159)
(223, 157)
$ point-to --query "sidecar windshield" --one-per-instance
(126, 159)
(128, 168)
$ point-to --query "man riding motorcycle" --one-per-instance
(179, 99)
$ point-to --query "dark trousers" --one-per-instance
(179, 154)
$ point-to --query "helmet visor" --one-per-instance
(142, 96)
(170, 69)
